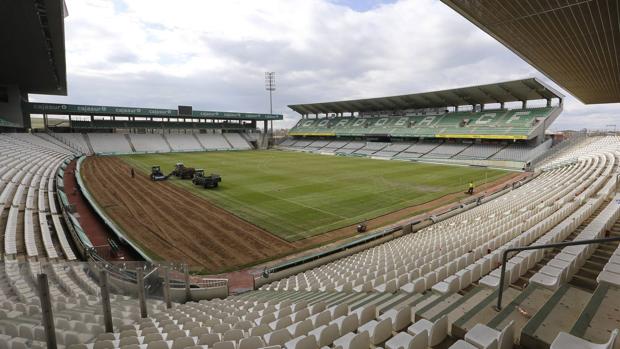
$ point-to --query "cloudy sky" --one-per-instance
(212, 54)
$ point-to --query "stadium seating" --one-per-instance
(236, 141)
(183, 142)
(152, 143)
(519, 123)
(109, 143)
(423, 150)
(480, 151)
(74, 140)
(516, 152)
(213, 141)
(412, 291)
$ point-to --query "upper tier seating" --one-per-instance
(519, 123)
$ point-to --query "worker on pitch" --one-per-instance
(470, 191)
(132, 173)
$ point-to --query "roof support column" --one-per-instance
(548, 102)
(501, 105)
(524, 105)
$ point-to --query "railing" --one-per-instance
(553, 151)
(540, 247)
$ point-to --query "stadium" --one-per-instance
(451, 218)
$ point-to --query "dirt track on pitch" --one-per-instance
(175, 224)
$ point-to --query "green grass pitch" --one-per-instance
(297, 195)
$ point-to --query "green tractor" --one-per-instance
(210, 181)
(183, 172)
(157, 175)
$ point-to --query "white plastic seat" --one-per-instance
(366, 313)
(300, 328)
(347, 323)
(360, 340)
(461, 344)
(233, 335)
(437, 331)
(183, 342)
(404, 340)
(378, 331)
(254, 342)
(448, 286)
(568, 341)
(224, 345)
(485, 337)
(322, 318)
(325, 334)
(303, 342)
(416, 286)
(278, 337)
(400, 318)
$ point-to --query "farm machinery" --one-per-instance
(183, 172)
(210, 181)
(157, 175)
(197, 176)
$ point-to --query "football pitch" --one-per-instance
(297, 195)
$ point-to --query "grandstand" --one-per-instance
(433, 281)
(433, 126)
(435, 286)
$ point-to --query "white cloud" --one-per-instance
(212, 54)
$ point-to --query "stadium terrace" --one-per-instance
(444, 219)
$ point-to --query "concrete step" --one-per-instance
(392, 302)
(469, 300)
(558, 314)
(600, 316)
(408, 301)
(521, 309)
(438, 305)
(482, 312)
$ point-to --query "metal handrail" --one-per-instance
(541, 247)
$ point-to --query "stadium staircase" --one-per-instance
(227, 141)
(264, 140)
(90, 146)
(465, 148)
(167, 142)
(133, 149)
(498, 150)
(194, 134)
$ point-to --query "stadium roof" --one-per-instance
(102, 110)
(576, 43)
(509, 91)
(32, 41)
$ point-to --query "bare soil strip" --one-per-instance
(173, 224)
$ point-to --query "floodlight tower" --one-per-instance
(270, 85)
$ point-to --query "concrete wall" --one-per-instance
(11, 105)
